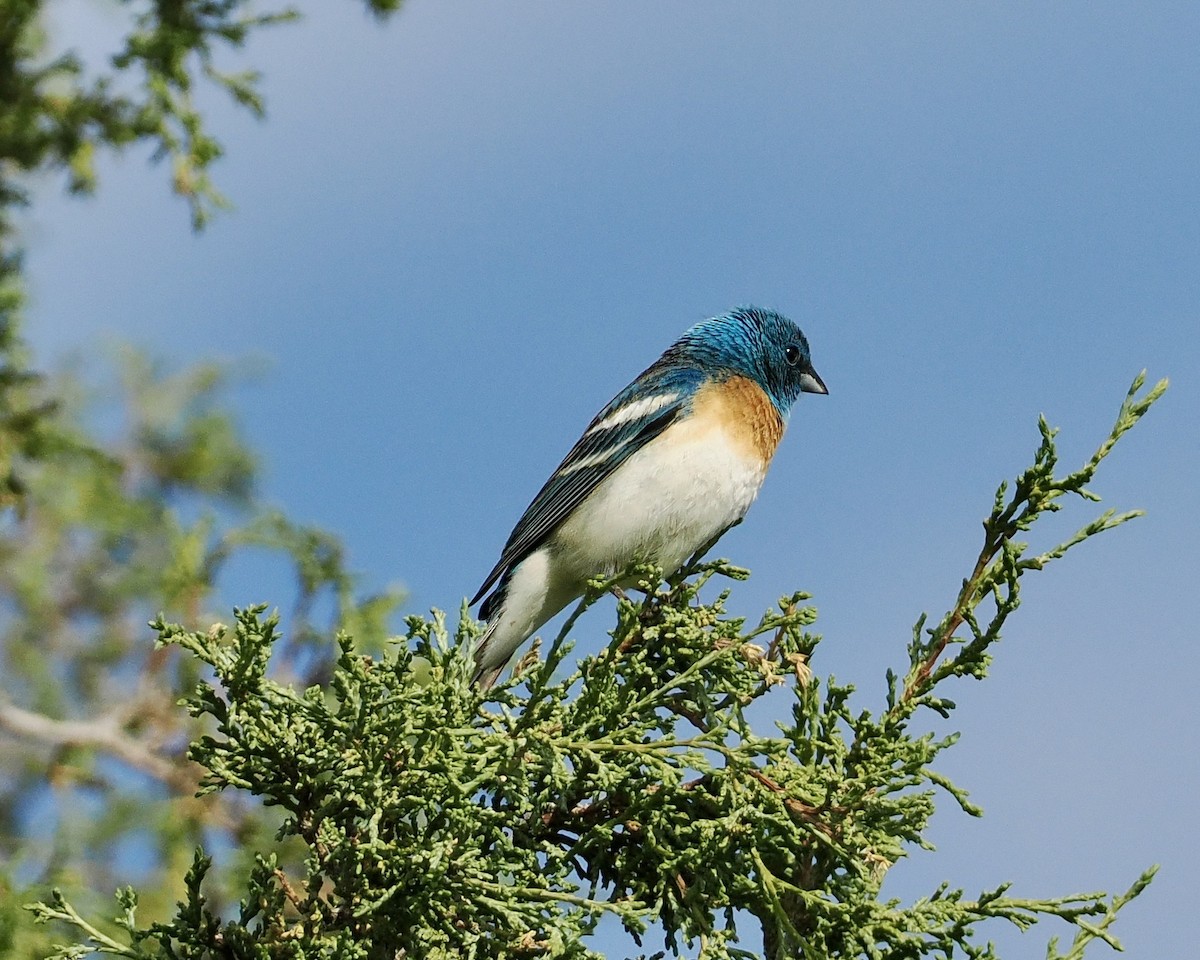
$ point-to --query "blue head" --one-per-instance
(754, 343)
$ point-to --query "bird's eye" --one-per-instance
(792, 353)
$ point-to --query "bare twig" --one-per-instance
(957, 617)
(104, 734)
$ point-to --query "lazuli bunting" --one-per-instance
(672, 462)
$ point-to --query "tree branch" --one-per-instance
(103, 734)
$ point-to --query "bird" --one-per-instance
(664, 469)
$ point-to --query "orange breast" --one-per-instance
(745, 414)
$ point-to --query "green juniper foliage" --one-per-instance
(440, 821)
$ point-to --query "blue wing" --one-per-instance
(639, 413)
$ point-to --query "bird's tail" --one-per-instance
(486, 676)
(487, 666)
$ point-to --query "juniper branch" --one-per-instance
(446, 821)
(1000, 561)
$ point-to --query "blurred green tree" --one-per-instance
(124, 494)
(110, 528)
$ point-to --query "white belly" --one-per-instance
(665, 502)
(661, 505)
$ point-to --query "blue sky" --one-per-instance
(458, 235)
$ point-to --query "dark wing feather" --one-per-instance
(563, 492)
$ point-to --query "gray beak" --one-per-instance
(811, 383)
